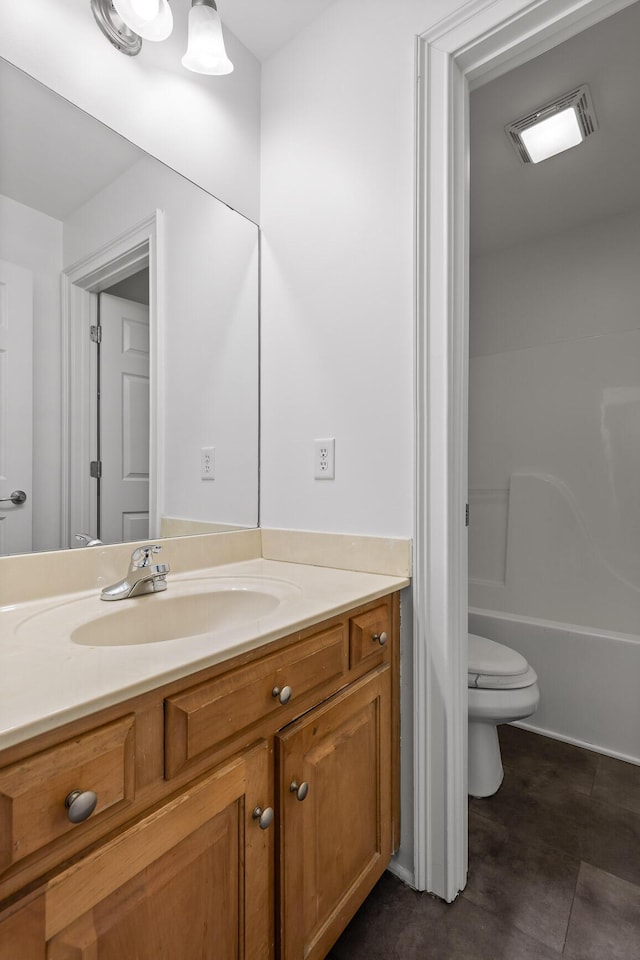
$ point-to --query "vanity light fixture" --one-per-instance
(115, 29)
(557, 126)
(125, 22)
(205, 50)
(150, 19)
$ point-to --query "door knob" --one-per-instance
(17, 497)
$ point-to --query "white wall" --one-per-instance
(207, 128)
(210, 285)
(337, 293)
(34, 240)
(337, 214)
(554, 415)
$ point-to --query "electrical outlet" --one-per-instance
(325, 459)
(207, 463)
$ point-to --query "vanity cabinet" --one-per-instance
(334, 772)
(244, 813)
(189, 880)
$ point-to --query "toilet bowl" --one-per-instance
(502, 687)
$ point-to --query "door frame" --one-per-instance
(475, 44)
(116, 260)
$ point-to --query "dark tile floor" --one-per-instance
(554, 869)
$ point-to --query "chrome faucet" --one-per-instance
(144, 576)
(87, 540)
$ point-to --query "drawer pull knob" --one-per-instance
(380, 638)
(300, 789)
(283, 694)
(264, 817)
(80, 805)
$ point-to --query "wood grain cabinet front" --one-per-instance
(276, 814)
(206, 716)
(192, 879)
(334, 776)
(36, 793)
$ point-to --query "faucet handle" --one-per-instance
(141, 556)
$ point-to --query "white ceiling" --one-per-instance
(264, 26)
(512, 202)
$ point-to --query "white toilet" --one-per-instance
(502, 687)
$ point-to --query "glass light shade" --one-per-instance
(150, 19)
(205, 49)
(552, 135)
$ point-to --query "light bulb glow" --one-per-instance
(150, 19)
(146, 9)
(205, 50)
(550, 136)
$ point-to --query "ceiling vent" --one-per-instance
(558, 125)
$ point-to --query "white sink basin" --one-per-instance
(191, 607)
(159, 617)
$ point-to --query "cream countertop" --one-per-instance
(47, 679)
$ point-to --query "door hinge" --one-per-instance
(466, 515)
(95, 333)
(95, 469)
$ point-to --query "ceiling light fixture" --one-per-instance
(557, 126)
(205, 50)
(125, 22)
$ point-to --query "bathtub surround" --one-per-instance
(588, 679)
(554, 403)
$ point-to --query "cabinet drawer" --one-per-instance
(369, 632)
(33, 791)
(205, 716)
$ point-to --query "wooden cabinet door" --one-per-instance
(193, 879)
(335, 842)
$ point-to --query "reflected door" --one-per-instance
(124, 420)
(16, 405)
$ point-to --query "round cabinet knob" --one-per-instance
(80, 805)
(300, 789)
(380, 638)
(264, 817)
(283, 694)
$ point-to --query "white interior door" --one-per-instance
(16, 406)
(124, 420)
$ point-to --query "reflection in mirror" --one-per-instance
(128, 337)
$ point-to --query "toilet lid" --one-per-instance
(494, 666)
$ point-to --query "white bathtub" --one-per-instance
(589, 679)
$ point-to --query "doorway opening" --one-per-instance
(113, 386)
(120, 433)
(458, 54)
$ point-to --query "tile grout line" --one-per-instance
(573, 900)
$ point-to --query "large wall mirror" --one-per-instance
(128, 338)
